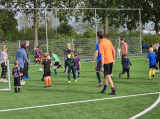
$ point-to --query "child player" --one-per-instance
(70, 62)
(152, 62)
(56, 62)
(125, 62)
(46, 63)
(78, 64)
(17, 77)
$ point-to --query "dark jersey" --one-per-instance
(46, 63)
(16, 72)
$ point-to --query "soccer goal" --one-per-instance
(5, 74)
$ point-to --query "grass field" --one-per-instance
(54, 104)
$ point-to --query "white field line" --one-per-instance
(148, 109)
(76, 102)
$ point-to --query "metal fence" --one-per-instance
(85, 47)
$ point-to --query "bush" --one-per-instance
(150, 39)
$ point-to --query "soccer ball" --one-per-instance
(40, 69)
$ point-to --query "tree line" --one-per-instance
(108, 19)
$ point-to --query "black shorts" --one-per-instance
(17, 81)
(56, 63)
(98, 65)
(153, 66)
(47, 73)
(108, 68)
(21, 70)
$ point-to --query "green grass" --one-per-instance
(33, 94)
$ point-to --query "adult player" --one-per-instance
(26, 65)
(107, 52)
(98, 64)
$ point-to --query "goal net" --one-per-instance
(5, 82)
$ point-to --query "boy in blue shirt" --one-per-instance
(125, 62)
(152, 63)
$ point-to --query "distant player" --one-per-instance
(125, 62)
(56, 62)
(152, 63)
(70, 62)
(78, 64)
(17, 77)
(36, 56)
(39, 54)
(46, 63)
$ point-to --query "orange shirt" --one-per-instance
(106, 47)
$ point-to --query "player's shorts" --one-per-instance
(17, 81)
(108, 68)
(40, 57)
(153, 66)
(56, 64)
(47, 73)
(98, 65)
(77, 69)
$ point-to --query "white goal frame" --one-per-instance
(9, 81)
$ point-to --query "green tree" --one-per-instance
(8, 25)
(150, 11)
(66, 29)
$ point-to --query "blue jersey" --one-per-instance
(99, 55)
(152, 58)
(77, 60)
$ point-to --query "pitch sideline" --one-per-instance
(6, 110)
(148, 109)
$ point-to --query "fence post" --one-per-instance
(96, 25)
(46, 31)
(19, 44)
(72, 44)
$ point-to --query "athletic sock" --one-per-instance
(55, 71)
(98, 76)
(113, 89)
(18, 89)
(15, 89)
(149, 74)
(58, 66)
(153, 72)
(49, 82)
(46, 82)
(78, 74)
(43, 76)
(105, 86)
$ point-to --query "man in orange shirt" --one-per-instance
(107, 52)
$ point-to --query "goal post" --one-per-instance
(4, 86)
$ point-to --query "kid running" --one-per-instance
(78, 64)
(17, 77)
(125, 62)
(70, 62)
(46, 63)
(56, 62)
(152, 63)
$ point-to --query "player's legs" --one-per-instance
(69, 74)
(49, 81)
(108, 79)
(98, 69)
(46, 81)
(128, 75)
(150, 70)
(124, 71)
(74, 74)
(153, 73)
